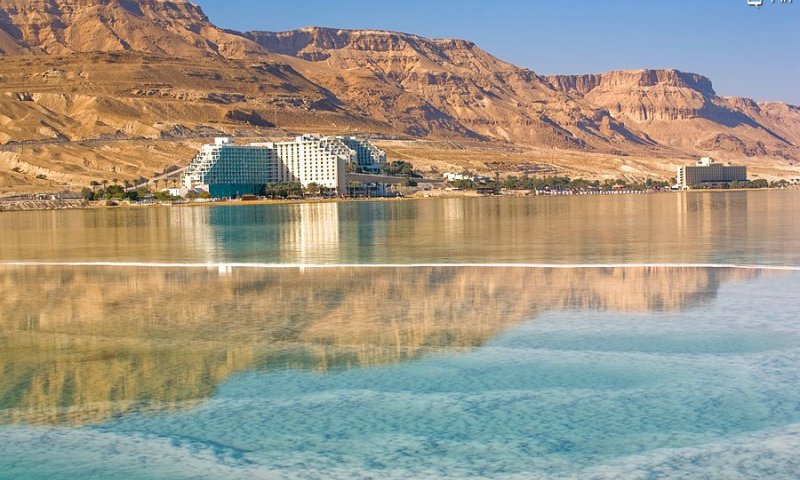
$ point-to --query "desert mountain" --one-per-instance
(681, 109)
(95, 89)
(59, 27)
(444, 87)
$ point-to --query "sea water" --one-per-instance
(155, 370)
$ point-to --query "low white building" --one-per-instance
(453, 177)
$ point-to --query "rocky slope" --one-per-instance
(58, 27)
(93, 89)
(70, 120)
(429, 86)
(683, 110)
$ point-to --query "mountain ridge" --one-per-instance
(173, 27)
(158, 67)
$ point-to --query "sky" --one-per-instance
(746, 51)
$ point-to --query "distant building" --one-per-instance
(225, 169)
(708, 171)
(454, 177)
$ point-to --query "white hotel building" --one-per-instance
(225, 169)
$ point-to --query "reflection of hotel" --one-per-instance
(313, 234)
(708, 171)
(226, 169)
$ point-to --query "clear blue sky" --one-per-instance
(744, 50)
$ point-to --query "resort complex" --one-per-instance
(707, 171)
(225, 169)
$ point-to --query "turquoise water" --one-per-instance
(637, 372)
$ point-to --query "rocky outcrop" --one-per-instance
(682, 109)
(584, 84)
(642, 95)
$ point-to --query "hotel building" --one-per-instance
(369, 158)
(708, 171)
(225, 169)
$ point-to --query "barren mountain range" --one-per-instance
(102, 89)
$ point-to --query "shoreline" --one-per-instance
(53, 205)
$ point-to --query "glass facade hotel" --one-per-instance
(226, 169)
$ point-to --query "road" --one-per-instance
(387, 179)
(95, 142)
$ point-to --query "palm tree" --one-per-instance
(313, 188)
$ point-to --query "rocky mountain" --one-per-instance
(681, 109)
(445, 87)
(59, 27)
(122, 88)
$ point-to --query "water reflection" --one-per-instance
(81, 345)
(704, 227)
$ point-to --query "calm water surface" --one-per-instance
(165, 371)
(737, 227)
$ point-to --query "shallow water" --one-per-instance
(425, 371)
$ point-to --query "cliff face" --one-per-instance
(642, 95)
(584, 84)
(434, 86)
(681, 109)
(59, 27)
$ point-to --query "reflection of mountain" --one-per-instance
(82, 344)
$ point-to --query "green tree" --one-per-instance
(294, 189)
(462, 184)
(313, 189)
(400, 167)
(132, 195)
